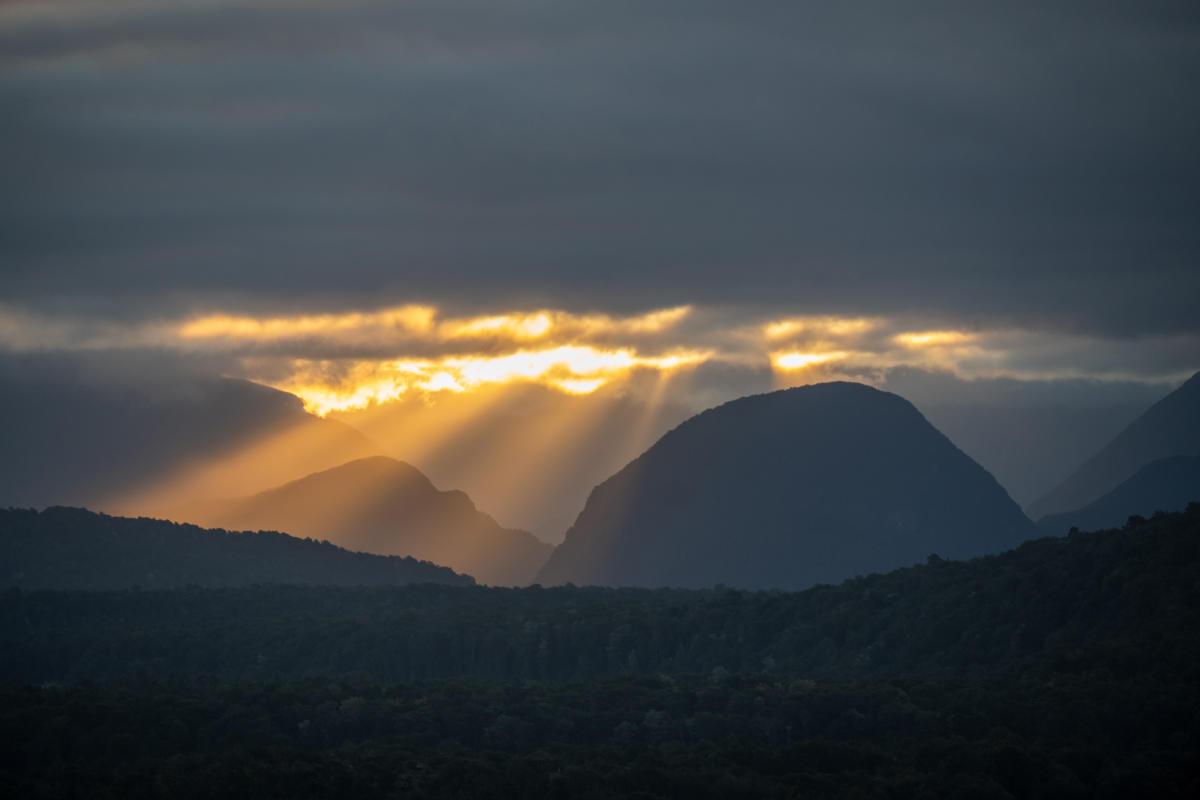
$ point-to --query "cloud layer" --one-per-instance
(1025, 166)
(347, 360)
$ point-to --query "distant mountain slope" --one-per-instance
(1029, 448)
(146, 443)
(1171, 427)
(380, 505)
(1028, 433)
(72, 548)
(788, 489)
(1168, 484)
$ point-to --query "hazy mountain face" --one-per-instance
(150, 442)
(1029, 448)
(1168, 484)
(379, 505)
(1170, 427)
(1030, 434)
(788, 489)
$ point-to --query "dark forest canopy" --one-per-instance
(1067, 668)
(1126, 599)
(1014, 734)
(61, 548)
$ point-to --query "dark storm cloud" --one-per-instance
(1031, 163)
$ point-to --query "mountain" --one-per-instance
(787, 489)
(380, 505)
(1168, 484)
(145, 443)
(72, 548)
(1171, 427)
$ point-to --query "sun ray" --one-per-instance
(278, 456)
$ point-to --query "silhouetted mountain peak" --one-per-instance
(789, 488)
(399, 476)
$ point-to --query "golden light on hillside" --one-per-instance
(275, 457)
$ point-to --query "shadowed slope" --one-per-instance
(380, 505)
(788, 489)
(71, 548)
(1171, 427)
(1168, 484)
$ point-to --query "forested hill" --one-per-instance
(72, 548)
(1123, 601)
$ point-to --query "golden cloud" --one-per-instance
(408, 319)
(327, 386)
(359, 359)
(819, 327)
(792, 360)
(925, 339)
(404, 324)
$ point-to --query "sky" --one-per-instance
(372, 203)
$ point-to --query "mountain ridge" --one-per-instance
(379, 504)
(1168, 484)
(74, 548)
(1170, 427)
(762, 452)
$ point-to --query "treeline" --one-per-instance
(72, 548)
(1009, 734)
(1127, 601)
(1067, 668)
